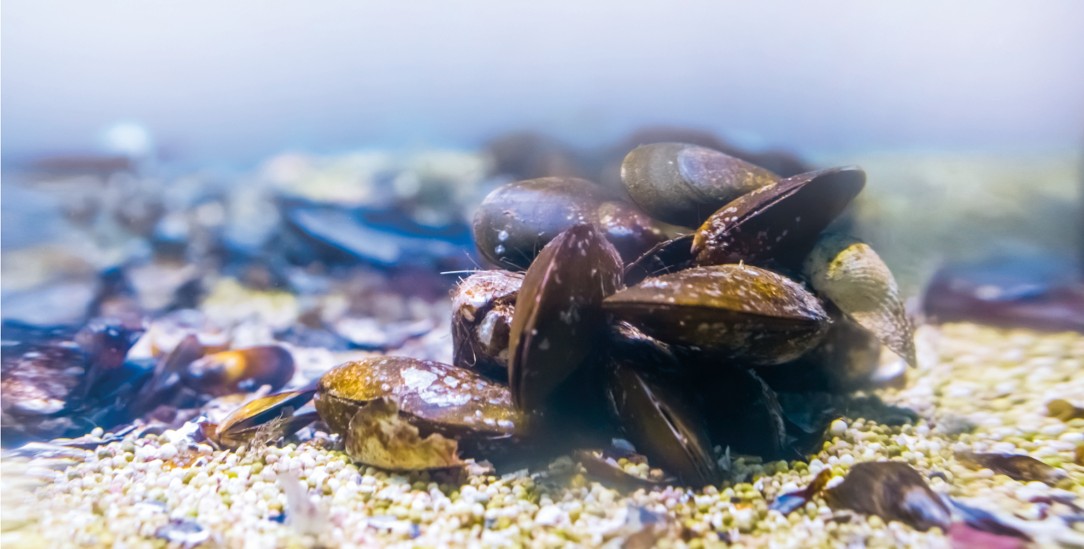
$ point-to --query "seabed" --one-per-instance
(976, 389)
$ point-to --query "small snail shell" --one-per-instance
(852, 276)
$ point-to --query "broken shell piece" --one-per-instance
(380, 437)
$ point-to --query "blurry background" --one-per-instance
(968, 116)
(236, 81)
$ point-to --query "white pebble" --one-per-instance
(548, 515)
(838, 427)
(1054, 429)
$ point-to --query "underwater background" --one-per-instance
(214, 213)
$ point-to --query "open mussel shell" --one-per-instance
(852, 276)
(243, 424)
(736, 311)
(516, 220)
(659, 422)
(240, 370)
(482, 308)
(558, 317)
(778, 223)
(665, 257)
(682, 184)
(434, 397)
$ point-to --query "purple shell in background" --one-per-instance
(1037, 292)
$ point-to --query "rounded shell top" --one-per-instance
(516, 220)
(558, 317)
(778, 223)
(683, 184)
(739, 311)
(482, 308)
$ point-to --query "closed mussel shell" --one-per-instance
(736, 311)
(482, 310)
(778, 223)
(659, 422)
(240, 370)
(558, 317)
(682, 184)
(434, 397)
(516, 220)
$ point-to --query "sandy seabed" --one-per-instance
(977, 389)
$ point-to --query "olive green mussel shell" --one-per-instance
(434, 397)
(516, 220)
(558, 317)
(737, 311)
(659, 422)
(683, 184)
(777, 224)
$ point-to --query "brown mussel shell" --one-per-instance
(736, 311)
(240, 370)
(682, 184)
(516, 220)
(658, 422)
(778, 223)
(558, 317)
(435, 397)
(482, 308)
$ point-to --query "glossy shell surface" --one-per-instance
(778, 223)
(683, 184)
(662, 425)
(738, 311)
(516, 220)
(559, 317)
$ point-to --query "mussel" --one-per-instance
(682, 184)
(482, 306)
(688, 359)
(516, 220)
(738, 311)
(235, 370)
(559, 312)
(434, 397)
(779, 222)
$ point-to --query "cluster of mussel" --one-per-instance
(707, 311)
(62, 381)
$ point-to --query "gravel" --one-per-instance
(976, 389)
